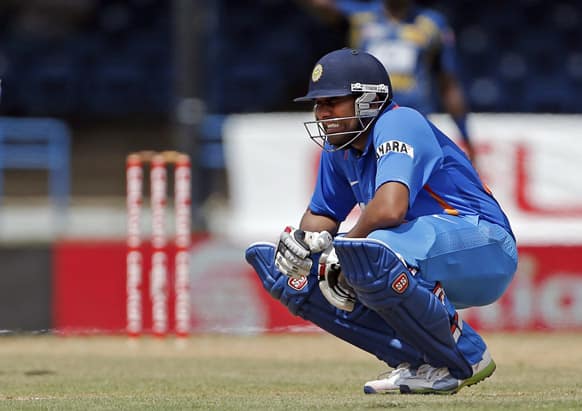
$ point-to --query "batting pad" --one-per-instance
(362, 327)
(384, 284)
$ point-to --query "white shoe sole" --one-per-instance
(476, 378)
(482, 370)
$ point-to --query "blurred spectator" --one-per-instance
(416, 45)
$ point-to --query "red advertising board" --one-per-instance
(90, 283)
(546, 293)
(227, 296)
(89, 286)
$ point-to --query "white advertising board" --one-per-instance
(532, 163)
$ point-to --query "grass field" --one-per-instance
(275, 372)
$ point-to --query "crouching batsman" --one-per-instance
(430, 238)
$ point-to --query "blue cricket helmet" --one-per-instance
(338, 73)
(342, 73)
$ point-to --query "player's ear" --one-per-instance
(315, 110)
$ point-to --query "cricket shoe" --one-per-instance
(387, 382)
(430, 380)
(427, 379)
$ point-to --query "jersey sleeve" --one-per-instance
(333, 196)
(406, 150)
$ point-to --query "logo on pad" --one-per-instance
(401, 283)
(297, 283)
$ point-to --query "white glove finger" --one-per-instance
(284, 265)
(318, 241)
(337, 300)
(304, 263)
(290, 269)
(343, 292)
(293, 245)
(329, 256)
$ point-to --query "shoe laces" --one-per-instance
(431, 373)
(387, 374)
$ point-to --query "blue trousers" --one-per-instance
(473, 259)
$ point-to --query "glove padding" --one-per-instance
(332, 282)
(294, 249)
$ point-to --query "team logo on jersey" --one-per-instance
(394, 146)
(401, 283)
(297, 284)
(317, 72)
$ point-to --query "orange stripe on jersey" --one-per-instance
(485, 186)
(448, 209)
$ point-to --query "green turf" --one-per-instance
(297, 372)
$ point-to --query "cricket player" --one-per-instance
(417, 47)
(430, 239)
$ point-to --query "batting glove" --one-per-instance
(294, 249)
(332, 281)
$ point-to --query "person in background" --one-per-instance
(417, 47)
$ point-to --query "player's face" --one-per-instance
(336, 108)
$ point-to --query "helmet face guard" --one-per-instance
(366, 108)
(348, 72)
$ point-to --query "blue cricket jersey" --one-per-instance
(404, 146)
(410, 50)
